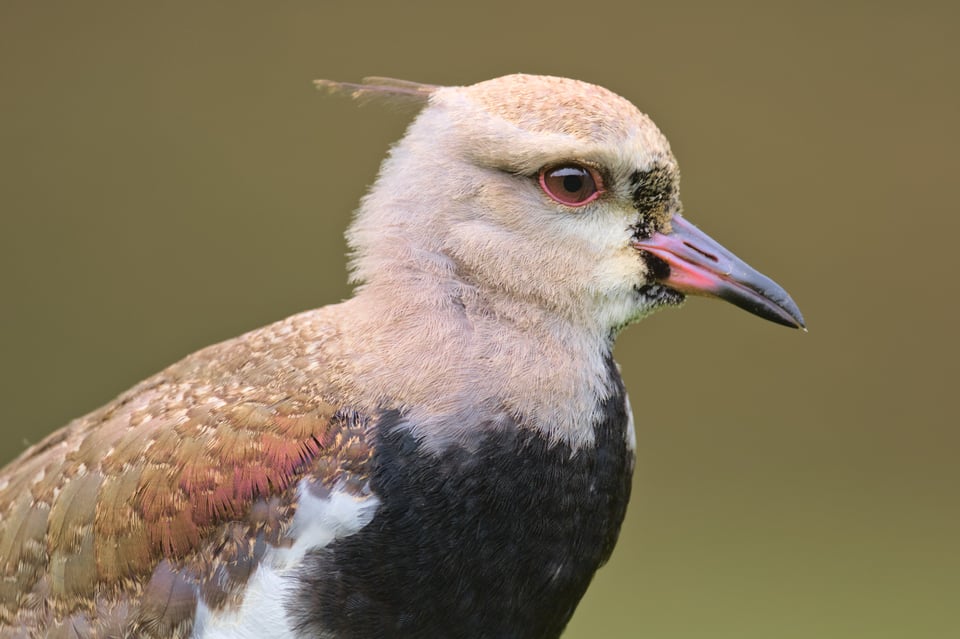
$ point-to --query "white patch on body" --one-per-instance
(631, 431)
(262, 614)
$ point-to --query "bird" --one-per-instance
(447, 453)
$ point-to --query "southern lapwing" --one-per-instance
(446, 454)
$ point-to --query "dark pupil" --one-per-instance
(572, 183)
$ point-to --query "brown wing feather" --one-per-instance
(114, 523)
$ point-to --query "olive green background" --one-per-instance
(169, 177)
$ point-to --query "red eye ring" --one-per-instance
(571, 184)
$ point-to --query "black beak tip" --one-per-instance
(785, 313)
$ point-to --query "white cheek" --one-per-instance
(615, 264)
(614, 281)
(262, 611)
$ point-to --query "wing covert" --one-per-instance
(119, 521)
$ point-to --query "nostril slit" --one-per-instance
(709, 256)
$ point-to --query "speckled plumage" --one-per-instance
(185, 470)
(378, 467)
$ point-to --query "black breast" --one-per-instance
(496, 542)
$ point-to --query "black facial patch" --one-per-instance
(496, 542)
(660, 295)
(658, 268)
(655, 197)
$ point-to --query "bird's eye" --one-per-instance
(571, 184)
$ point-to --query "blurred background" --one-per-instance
(169, 178)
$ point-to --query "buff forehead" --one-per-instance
(549, 104)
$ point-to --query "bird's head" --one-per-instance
(544, 191)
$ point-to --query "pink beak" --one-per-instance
(692, 262)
